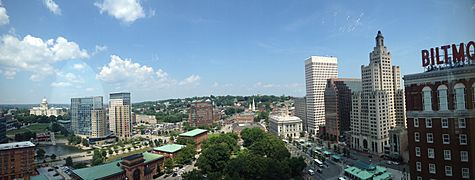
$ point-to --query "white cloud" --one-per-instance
(52, 6)
(124, 70)
(125, 73)
(193, 79)
(4, 19)
(79, 66)
(215, 84)
(126, 11)
(264, 85)
(90, 89)
(35, 55)
(99, 49)
(67, 79)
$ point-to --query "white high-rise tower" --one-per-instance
(380, 104)
(317, 70)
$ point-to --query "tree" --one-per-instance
(185, 156)
(229, 139)
(193, 175)
(251, 135)
(40, 153)
(104, 153)
(270, 146)
(110, 151)
(168, 165)
(69, 161)
(85, 142)
(97, 158)
(214, 158)
(296, 165)
(53, 156)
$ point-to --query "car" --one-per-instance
(395, 163)
(319, 170)
(50, 169)
(311, 172)
(342, 178)
(389, 162)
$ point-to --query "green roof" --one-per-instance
(327, 152)
(99, 172)
(39, 177)
(336, 157)
(169, 148)
(193, 132)
(384, 176)
(151, 157)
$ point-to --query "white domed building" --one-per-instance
(44, 110)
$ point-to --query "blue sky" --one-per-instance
(167, 49)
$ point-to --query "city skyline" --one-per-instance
(162, 50)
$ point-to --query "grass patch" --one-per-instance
(114, 157)
(40, 127)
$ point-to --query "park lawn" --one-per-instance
(40, 127)
(114, 157)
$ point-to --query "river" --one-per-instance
(59, 150)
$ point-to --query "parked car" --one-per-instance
(311, 172)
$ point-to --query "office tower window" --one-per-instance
(416, 122)
(463, 139)
(417, 137)
(462, 123)
(430, 153)
(445, 123)
(418, 151)
(447, 155)
(445, 139)
(427, 99)
(464, 156)
(459, 90)
(442, 93)
(448, 170)
(430, 138)
(431, 168)
(465, 173)
(418, 166)
(428, 123)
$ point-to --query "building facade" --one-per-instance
(17, 160)
(98, 123)
(3, 129)
(338, 105)
(300, 110)
(201, 113)
(43, 110)
(317, 70)
(397, 149)
(120, 108)
(285, 126)
(147, 119)
(81, 114)
(440, 110)
(374, 109)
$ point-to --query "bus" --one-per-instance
(318, 162)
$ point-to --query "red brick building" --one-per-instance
(202, 113)
(440, 110)
(197, 135)
(17, 160)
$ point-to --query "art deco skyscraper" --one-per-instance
(317, 70)
(380, 104)
(120, 109)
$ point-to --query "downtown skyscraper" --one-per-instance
(120, 121)
(380, 105)
(317, 70)
(82, 114)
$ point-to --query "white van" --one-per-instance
(311, 172)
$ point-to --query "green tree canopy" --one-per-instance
(251, 135)
(214, 158)
(69, 161)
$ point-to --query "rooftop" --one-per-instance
(100, 171)
(194, 132)
(169, 148)
(151, 157)
(285, 119)
(16, 145)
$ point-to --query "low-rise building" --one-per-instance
(138, 166)
(286, 126)
(140, 118)
(244, 118)
(237, 128)
(17, 160)
(197, 135)
(363, 171)
(168, 150)
(43, 110)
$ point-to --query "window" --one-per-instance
(442, 93)
(419, 178)
(465, 173)
(448, 170)
(445, 123)
(427, 99)
(463, 139)
(464, 156)
(418, 166)
(428, 123)
(462, 123)
(416, 122)
(447, 155)
(445, 139)
(417, 137)
(418, 151)
(431, 168)
(459, 90)
(430, 153)
(430, 138)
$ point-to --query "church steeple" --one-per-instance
(379, 40)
